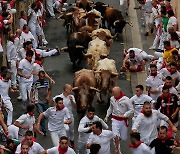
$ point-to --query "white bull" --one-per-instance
(97, 50)
(106, 76)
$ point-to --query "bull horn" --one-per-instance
(92, 88)
(103, 56)
(105, 5)
(88, 55)
(79, 47)
(115, 73)
(129, 23)
(115, 22)
(97, 71)
(64, 48)
(69, 14)
(115, 35)
(75, 88)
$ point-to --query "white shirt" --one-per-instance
(103, 139)
(136, 60)
(11, 51)
(141, 149)
(4, 89)
(22, 54)
(166, 73)
(138, 102)
(27, 69)
(66, 101)
(54, 150)
(37, 68)
(84, 127)
(33, 20)
(56, 118)
(171, 90)
(147, 126)
(172, 21)
(26, 120)
(22, 22)
(26, 36)
(154, 83)
(17, 43)
(120, 107)
(36, 148)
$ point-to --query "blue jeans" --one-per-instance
(40, 109)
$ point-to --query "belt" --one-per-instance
(148, 12)
(121, 119)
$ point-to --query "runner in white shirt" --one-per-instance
(34, 147)
(24, 148)
(5, 87)
(69, 102)
(146, 123)
(169, 84)
(85, 128)
(140, 52)
(56, 121)
(26, 122)
(156, 11)
(139, 99)
(101, 137)
(120, 108)
(171, 71)
(137, 147)
(17, 40)
(153, 81)
(34, 25)
(22, 20)
(25, 71)
(61, 148)
(172, 20)
(12, 59)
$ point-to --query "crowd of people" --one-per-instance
(154, 116)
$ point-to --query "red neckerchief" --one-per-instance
(169, 101)
(136, 145)
(60, 1)
(28, 60)
(169, 70)
(31, 114)
(120, 96)
(36, 54)
(61, 151)
(16, 36)
(170, 48)
(163, 140)
(58, 109)
(12, 3)
(25, 32)
(22, 17)
(154, 75)
(38, 62)
(38, 3)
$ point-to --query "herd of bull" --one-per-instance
(87, 37)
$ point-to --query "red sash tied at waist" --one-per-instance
(121, 119)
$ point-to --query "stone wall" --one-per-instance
(176, 8)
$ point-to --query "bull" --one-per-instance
(115, 20)
(106, 76)
(97, 49)
(84, 88)
(101, 7)
(84, 4)
(76, 43)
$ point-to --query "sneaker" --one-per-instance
(152, 48)
(57, 48)
(72, 144)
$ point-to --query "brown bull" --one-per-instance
(84, 89)
(84, 4)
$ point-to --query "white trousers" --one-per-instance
(119, 129)
(148, 21)
(25, 89)
(13, 131)
(56, 135)
(49, 5)
(9, 111)
(46, 54)
(14, 72)
(70, 129)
